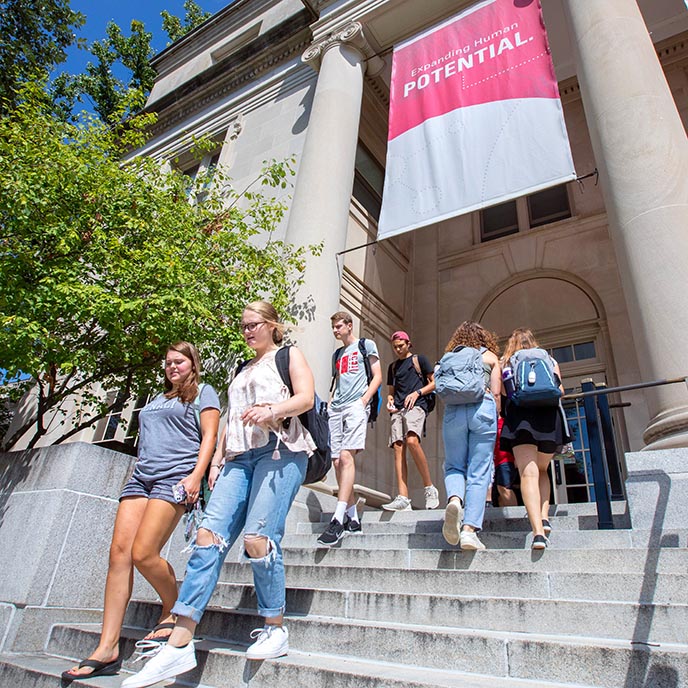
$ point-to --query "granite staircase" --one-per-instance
(396, 607)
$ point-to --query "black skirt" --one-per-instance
(543, 426)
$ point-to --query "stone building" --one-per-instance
(597, 270)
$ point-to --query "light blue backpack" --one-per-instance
(460, 376)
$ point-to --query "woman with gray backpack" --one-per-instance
(468, 380)
(534, 425)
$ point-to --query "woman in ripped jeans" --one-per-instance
(255, 475)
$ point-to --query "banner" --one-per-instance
(475, 117)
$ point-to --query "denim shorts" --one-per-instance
(137, 486)
(506, 475)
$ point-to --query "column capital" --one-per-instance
(350, 34)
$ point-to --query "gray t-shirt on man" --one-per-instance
(352, 382)
(170, 436)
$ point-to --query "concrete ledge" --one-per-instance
(364, 495)
(657, 489)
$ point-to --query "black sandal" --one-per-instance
(99, 669)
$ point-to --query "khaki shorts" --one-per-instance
(404, 422)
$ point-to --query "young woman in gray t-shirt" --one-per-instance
(173, 452)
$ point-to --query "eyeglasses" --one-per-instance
(251, 327)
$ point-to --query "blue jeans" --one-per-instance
(469, 432)
(254, 494)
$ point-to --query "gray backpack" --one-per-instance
(460, 376)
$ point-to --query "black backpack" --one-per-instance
(314, 421)
(374, 402)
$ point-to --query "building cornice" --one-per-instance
(283, 43)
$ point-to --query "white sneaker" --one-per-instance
(453, 515)
(432, 497)
(168, 663)
(399, 503)
(272, 641)
(469, 540)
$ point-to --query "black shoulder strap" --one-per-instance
(366, 362)
(282, 363)
(241, 366)
(336, 355)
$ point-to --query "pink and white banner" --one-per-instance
(475, 117)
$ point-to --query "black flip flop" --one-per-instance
(167, 625)
(99, 669)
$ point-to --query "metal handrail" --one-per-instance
(625, 388)
(601, 441)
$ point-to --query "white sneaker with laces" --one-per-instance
(168, 663)
(271, 641)
(399, 503)
(469, 540)
(432, 497)
(453, 516)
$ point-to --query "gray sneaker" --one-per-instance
(399, 503)
(432, 497)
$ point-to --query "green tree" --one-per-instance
(175, 28)
(111, 96)
(103, 263)
(35, 36)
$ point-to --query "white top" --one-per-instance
(259, 384)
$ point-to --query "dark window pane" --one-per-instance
(562, 354)
(370, 200)
(584, 350)
(549, 205)
(498, 221)
(368, 168)
(369, 179)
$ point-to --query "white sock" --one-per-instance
(340, 511)
(352, 513)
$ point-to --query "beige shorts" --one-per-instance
(404, 422)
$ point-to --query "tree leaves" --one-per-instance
(102, 264)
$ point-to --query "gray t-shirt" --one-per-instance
(352, 382)
(170, 437)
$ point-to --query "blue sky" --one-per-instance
(98, 13)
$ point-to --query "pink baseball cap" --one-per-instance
(400, 334)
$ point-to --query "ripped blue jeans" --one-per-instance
(253, 494)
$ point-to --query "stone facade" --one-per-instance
(269, 79)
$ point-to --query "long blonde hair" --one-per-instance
(267, 311)
(188, 390)
(521, 338)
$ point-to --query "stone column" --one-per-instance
(642, 154)
(320, 208)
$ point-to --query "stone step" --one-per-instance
(592, 539)
(496, 519)
(589, 661)
(625, 587)
(434, 525)
(657, 623)
(659, 560)
(226, 665)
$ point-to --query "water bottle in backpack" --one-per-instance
(536, 383)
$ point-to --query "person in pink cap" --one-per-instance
(410, 382)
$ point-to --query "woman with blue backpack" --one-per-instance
(534, 425)
(468, 380)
